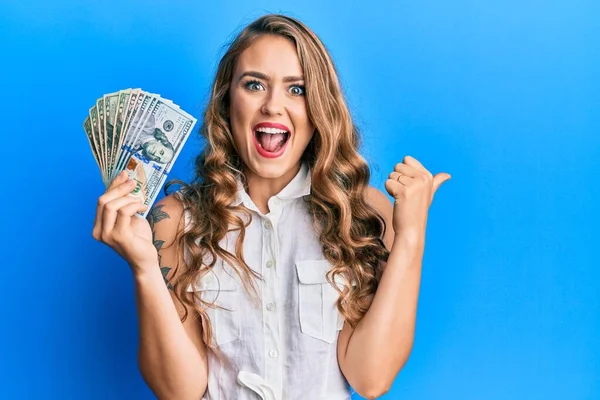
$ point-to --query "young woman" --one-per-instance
(287, 275)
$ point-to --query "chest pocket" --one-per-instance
(319, 317)
(221, 288)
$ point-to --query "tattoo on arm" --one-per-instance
(165, 271)
(156, 215)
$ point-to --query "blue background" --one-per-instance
(503, 95)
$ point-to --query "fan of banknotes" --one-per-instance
(139, 132)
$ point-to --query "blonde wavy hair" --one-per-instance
(349, 229)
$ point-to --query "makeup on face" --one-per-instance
(268, 111)
(270, 139)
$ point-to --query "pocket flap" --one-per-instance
(312, 271)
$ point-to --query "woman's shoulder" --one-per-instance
(167, 216)
(378, 200)
(384, 207)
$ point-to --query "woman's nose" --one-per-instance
(273, 104)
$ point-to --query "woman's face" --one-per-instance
(267, 109)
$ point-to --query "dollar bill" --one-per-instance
(110, 111)
(122, 102)
(139, 132)
(87, 127)
(124, 117)
(97, 140)
(135, 99)
(101, 134)
(156, 147)
(137, 122)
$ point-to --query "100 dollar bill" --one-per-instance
(153, 147)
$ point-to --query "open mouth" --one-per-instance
(271, 142)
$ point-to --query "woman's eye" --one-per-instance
(254, 85)
(297, 90)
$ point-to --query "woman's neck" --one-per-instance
(261, 189)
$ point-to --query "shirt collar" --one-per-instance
(298, 187)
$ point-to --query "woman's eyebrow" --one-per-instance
(264, 77)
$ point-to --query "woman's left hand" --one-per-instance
(412, 187)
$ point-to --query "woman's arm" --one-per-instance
(172, 356)
(371, 355)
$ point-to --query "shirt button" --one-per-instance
(273, 353)
(271, 306)
(267, 225)
(270, 264)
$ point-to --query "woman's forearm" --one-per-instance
(168, 360)
(382, 341)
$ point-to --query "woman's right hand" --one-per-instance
(118, 225)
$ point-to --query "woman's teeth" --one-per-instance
(271, 139)
(272, 131)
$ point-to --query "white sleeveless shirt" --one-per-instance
(285, 347)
